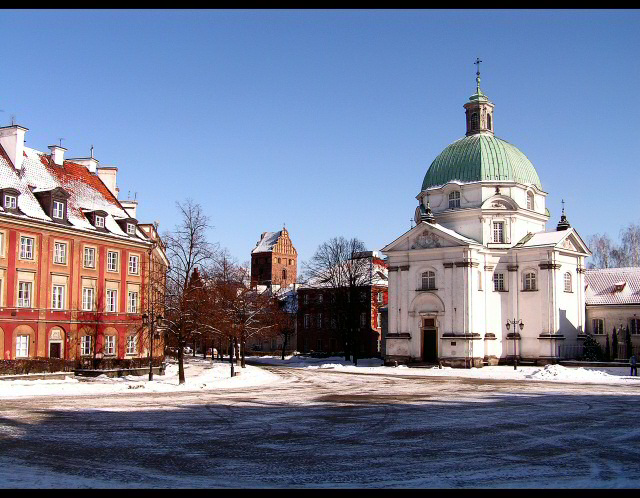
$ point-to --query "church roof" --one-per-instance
(267, 242)
(604, 286)
(480, 157)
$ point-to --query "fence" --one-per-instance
(576, 351)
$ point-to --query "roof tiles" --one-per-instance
(602, 286)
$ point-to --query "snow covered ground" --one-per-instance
(199, 375)
(559, 373)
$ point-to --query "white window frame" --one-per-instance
(530, 281)
(134, 264)
(22, 346)
(454, 199)
(91, 260)
(568, 282)
(597, 326)
(110, 345)
(57, 297)
(60, 253)
(428, 280)
(85, 345)
(499, 282)
(112, 261)
(10, 201)
(498, 232)
(380, 297)
(58, 210)
(27, 245)
(379, 318)
(99, 221)
(634, 326)
(132, 345)
(112, 300)
(24, 294)
(132, 302)
(131, 229)
(88, 303)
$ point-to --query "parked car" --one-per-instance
(213, 352)
(187, 350)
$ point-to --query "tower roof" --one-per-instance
(480, 157)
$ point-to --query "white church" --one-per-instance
(479, 258)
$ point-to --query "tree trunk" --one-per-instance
(244, 346)
(236, 346)
(180, 365)
(284, 344)
(204, 349)
(231, 348)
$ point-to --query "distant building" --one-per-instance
(613, 300)
(318, 329)
(74, 261)
(274, 260)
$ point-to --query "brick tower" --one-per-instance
(274, 260)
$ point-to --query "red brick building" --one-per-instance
(274, 260)
(319, 323)
(74, 261)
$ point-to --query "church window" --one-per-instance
(454, 199)
(278, 260)
(498, 282)
(475, 121)
(530, 281)
(498, 232)
(598, 326)
(428, 280)
(634, 326)
(488, 121)
(568, 287)
(284, 274)
(530, 201)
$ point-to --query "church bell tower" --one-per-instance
(479, 109)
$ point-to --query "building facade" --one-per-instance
(319, 328)
(613, 301)
(479, 256)
(274, 260)
(74, 261)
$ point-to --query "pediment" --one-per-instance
(427, 236)
(501, 202)
(573, 242)
(429, 240)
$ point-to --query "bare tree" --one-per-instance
(607, 254)
(285, 317)
(343, 266)
(187, 249)
(630, 237)
(601, 246)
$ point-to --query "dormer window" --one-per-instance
(58, 210)
(454, 199)
(10, 202)
(99, 221)
(131, 229)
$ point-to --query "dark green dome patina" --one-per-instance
(481, 157)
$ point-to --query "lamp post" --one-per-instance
(515, 323)
(151, 320)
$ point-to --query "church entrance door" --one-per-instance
(429, 340)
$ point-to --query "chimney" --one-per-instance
(130, 207)
(12, 141)
(57, 154)
(108, 176)
(89, 162)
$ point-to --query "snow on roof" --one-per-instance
(267, 242)
(613, 286)
(454, 234)
(86, 191)
(545, 238)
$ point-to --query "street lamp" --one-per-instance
(151, 320)
(519, 323)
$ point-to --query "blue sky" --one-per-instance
(327, 120)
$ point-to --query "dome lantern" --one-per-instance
(479, 110)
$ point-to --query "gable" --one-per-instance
(429, 240)
(428, 236)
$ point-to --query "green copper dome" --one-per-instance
(480, 157)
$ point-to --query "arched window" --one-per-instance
(530, 281)
(475, 122)
(454, 199)
(488, 121)
(428, 280)
(568, 287)
(284, 274)
(530, 201)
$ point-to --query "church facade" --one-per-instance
(480, 257)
